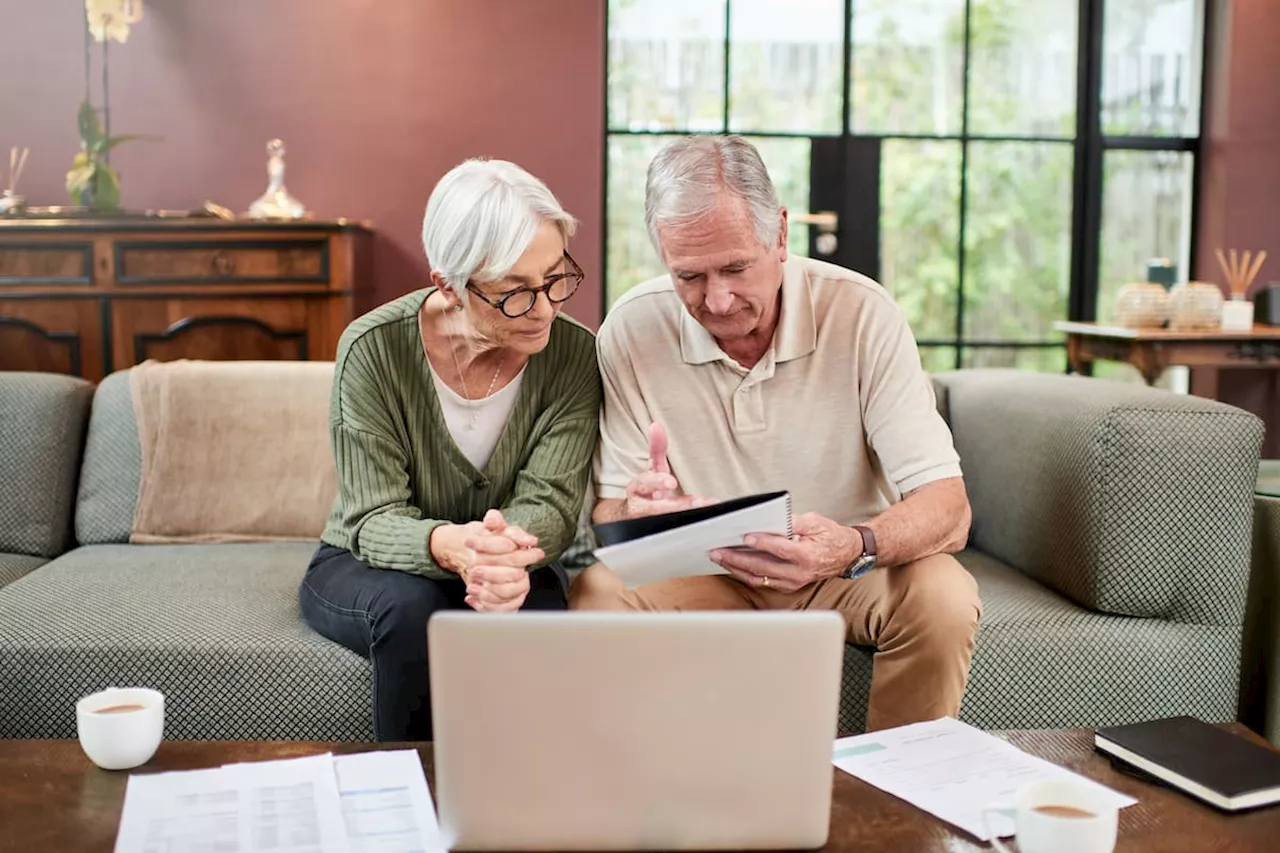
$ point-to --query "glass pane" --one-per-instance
(666, 65)
(1117, 372)
(1146, 214)
(1043, 359)
(920, 232)
(938, 359)
(785, 60)
(1022, 68)
(1017, 239)
(908, 66)
(788, 163)
(631, 257)
(1151, 67)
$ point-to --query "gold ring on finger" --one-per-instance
(764, 581)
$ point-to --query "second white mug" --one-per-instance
(1061, 816)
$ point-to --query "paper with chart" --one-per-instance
(675, 545)
(386, 805)
(278, 806)
(373, 802)
(951, 770)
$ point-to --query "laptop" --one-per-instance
(635, 731)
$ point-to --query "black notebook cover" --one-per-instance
(1208, 762)
(637, 528)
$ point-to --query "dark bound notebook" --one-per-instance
(1205, 761)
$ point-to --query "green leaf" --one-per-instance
(90, 127)
(105, 144)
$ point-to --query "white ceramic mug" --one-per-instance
(1044, 832)
(120, 740)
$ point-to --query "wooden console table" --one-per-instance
(1152, 350)
(89, 296)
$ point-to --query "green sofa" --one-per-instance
(1111, 545)
(1110, 541)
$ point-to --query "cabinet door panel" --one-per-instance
(210, 329)
(54, 336)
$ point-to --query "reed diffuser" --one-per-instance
(1237, 313)
(11, 202)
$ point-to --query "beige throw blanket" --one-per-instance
(232, 451)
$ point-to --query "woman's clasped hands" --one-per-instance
(493, 559)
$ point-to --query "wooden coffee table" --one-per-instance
(52, 798)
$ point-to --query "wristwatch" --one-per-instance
(867, 561)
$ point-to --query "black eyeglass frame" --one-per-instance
(575, 273)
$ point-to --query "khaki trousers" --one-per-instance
(921, 618)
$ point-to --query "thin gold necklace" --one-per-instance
(466, 393)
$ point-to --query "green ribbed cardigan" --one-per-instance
(400, 475)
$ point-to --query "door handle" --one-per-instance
(826, 221)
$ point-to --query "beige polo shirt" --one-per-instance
(839, 411)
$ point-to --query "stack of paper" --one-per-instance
(373, 802)
(951, 770)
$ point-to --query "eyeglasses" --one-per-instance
(558, 288)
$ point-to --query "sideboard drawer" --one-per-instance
(249, 262)
(46, 263)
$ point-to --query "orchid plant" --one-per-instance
(91, 181)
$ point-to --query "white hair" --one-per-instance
(688, 175)
(482, 216)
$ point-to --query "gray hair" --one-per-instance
(687, 176)
(482, 216)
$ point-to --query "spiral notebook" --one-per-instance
(675, 544)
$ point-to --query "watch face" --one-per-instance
(861, 566)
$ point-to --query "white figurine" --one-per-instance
(276, 203)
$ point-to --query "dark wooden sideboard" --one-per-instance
(90, 296)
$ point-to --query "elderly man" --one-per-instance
(747, 371)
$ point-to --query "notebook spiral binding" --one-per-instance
(790, 529)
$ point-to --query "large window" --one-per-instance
(997, 164)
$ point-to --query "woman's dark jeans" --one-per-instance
(382, 614)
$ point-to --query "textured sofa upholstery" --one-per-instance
(42, 423)
(1110, 541)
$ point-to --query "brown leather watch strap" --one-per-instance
(868, 540)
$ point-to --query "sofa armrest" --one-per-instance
(1126, 499)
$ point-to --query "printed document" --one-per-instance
(375, 802)
(951, 770)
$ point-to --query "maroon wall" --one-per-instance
(375, 100)
(1240, 196)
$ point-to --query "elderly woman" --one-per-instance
(463, 421)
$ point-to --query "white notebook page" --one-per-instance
(683, 552)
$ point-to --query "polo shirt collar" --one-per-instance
(795, 337)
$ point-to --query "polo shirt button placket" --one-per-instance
(748, 409)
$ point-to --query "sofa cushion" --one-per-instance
(1125, 499)
(216, 628)
(112, 466)
(42, 419)
(1043, 662)
(14, 566)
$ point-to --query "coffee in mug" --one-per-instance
(120, 709)
(1063, 811)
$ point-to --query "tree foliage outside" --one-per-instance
(907, 82)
